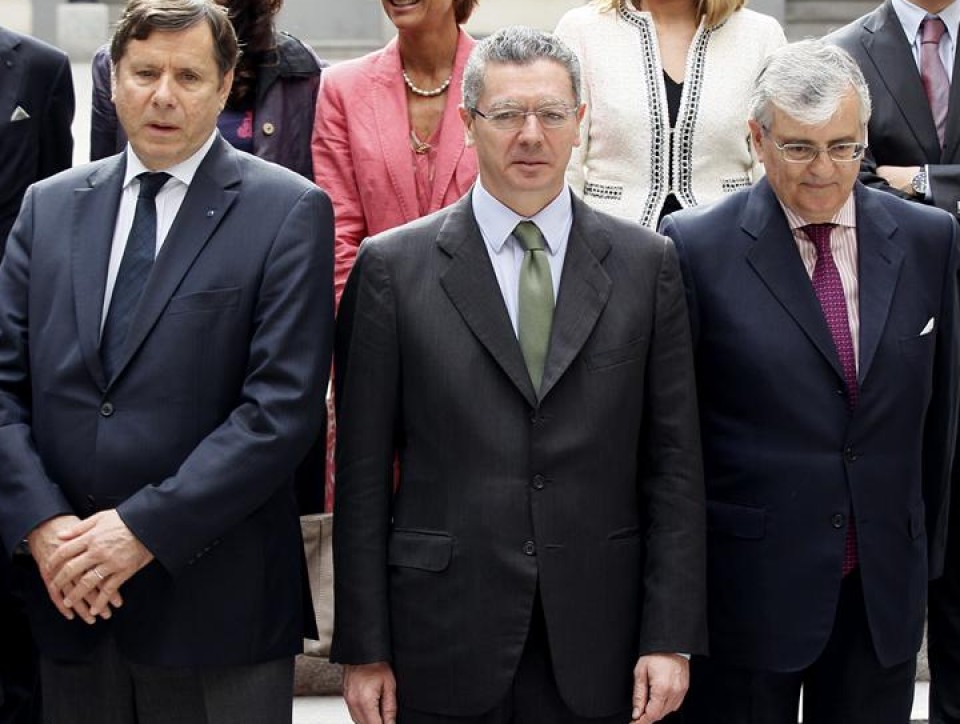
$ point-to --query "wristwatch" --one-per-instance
(920, 184)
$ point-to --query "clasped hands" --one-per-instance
(85, 562)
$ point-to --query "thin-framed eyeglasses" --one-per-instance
(844, 152)
(512, 119)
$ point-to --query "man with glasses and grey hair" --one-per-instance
(824, 317)
(527, 362)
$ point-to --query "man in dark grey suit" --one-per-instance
(908, 54)
(36, 110)
(527, 361)
(165, 332)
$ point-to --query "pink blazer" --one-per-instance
(361, 149)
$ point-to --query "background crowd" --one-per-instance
(826, 360)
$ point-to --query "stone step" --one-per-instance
(825, 11)
(802, 31)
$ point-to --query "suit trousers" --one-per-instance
(19, 668)
(845, 685)
(109, 689)
(944, 635)
(533, 698)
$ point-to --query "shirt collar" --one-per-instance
(183, 171)
(497, 221)
(846, 216)
(911, 16)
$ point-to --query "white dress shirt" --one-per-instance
(497, 223)
(168, 201)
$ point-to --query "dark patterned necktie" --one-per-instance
(936, 83)
(829, 290)
(134, 269)
(535, 313)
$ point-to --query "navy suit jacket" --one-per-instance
(901, 131)
(35, 77)
(785, 460)
(196, 438)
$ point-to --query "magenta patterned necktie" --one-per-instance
(829, 290)
(936, 83)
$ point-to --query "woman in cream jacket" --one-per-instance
(666, 83)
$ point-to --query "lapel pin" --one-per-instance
(211, 212)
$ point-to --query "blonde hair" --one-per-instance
(714, 12)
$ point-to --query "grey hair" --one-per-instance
(516, 45)
(807, 81)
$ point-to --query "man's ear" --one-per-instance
(113, 82)
(467, 118)
(756, 138)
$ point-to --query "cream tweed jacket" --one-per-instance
(621, 165)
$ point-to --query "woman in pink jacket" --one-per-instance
(388, 144)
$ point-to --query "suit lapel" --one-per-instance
(879, 268)
(209, 198)
(584, 291)
(92, 241)
(390, 113)
(890, 52)
(951, 136)
(776, 260)
(469, 281)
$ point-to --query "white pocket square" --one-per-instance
(927, 328)
(19, 115)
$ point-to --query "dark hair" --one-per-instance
(464, 9)
(253, 22)
(140, 18)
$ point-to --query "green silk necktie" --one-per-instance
(535, 314)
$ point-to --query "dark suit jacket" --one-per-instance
(36, 77)
(784, 459)
(901, 131)
(593, 492)
(196, 438)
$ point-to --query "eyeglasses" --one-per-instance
(512, 119)
(845, 152)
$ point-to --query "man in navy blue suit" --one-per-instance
(166, 326)
(825, 321)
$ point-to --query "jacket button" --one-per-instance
(837, 520)
(530, 548)
(850, 454)
(538, 482)
(268, 129)
(106, 409)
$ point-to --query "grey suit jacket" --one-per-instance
(590, 493)
(901, 131)
(195, 440)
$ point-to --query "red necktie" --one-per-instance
(936, 84)
(829, 290)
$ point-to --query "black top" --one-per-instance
(674, 91)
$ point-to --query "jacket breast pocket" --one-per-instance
(210, 299)
(424, 550)
(918, 346)
(604, 359)
(736, 521)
